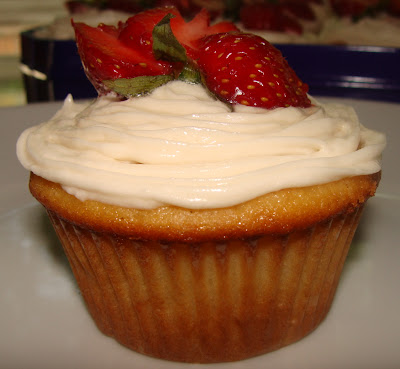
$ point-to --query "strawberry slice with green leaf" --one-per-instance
(242, 68)
(105, 57)
(158, 45)
(136, 32)
(125, 52)
(188, 33)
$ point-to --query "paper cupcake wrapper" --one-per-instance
(209, 302)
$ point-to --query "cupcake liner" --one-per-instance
(209, 302)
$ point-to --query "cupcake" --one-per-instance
(205, 202)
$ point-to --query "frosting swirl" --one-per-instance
(179, 146)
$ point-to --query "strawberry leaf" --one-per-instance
(142, 85)
(165, 44)
(190, 74)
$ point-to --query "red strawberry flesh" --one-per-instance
(238, 68)
(126, 51)
(105, 57)
(246, 69)
(188, 33)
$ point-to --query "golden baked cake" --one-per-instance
(201, 224)
(210, 285)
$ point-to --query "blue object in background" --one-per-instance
(366, 72)
(53, 69)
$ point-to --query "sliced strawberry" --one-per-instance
(188, 33)
(137, 31)
(270, 17)
(110, 53)
(105, 57)
(245, 69)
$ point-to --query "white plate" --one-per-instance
(44, 323)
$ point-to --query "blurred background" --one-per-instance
(345, 48)
(15, 17)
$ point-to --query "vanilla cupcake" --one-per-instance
(201, 231)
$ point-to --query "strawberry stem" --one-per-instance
(190, 74)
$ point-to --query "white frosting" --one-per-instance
(179, 146)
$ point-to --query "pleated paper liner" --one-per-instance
(209, 302)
